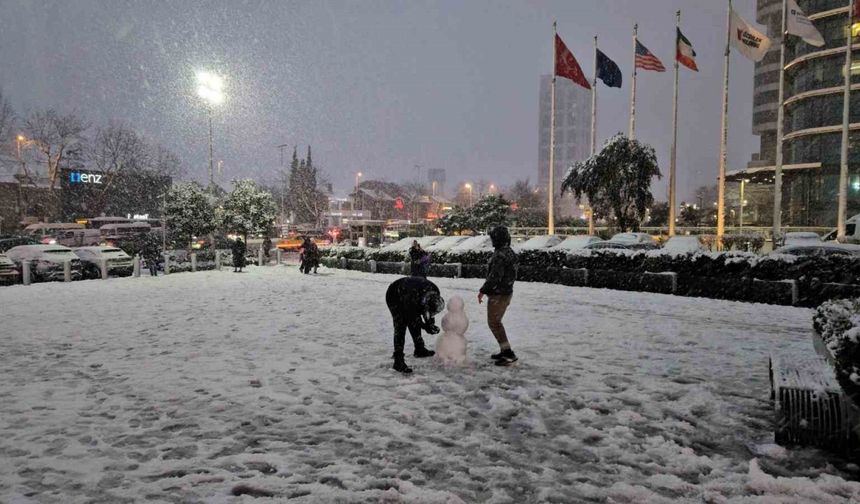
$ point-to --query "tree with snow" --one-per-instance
(489, 211)
(307, 200)
(248, 209)
(188, 211)
(616, 180)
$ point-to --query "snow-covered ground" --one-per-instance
(194, 387)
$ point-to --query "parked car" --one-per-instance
(636, 241)
(852, 231)
(118, 262)
(578, 242)
(447, 243)
(539, 242)
(801, 238)
(683, 245)
(8, 270)
(604, 245)
(46, 261)
(820, 249)
(9, 241)
(474, 244)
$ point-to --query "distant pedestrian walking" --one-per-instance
(499, 289)
(151, 252)
(419, 260)
(309, 257)
(239, 250)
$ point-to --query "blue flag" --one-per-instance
(608, 71)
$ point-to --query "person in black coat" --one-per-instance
(238, 250)
(499, 289)
(413, 302)
(151, 252)
(309, 256)
(419, 260)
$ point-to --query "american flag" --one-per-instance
(647, 61)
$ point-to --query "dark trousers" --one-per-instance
(153, 268)
(400, 327)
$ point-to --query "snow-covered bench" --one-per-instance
(810, 406)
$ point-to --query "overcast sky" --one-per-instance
(375, 86)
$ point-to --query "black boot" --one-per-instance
(400, 364)
(422, 352)
(506, 358)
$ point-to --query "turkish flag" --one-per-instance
(566, 65)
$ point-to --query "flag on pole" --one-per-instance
(566, 65)
(685, 53)
(798, 24)
(607, 70)
(647, 61)
(750, 42)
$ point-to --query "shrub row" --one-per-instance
(838, 324)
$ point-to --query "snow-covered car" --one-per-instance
(683, 245)
(401, 245)
(8, 270)
(78, 237)
(579, 242)
(820, 249)
(801, 238)
(539, 242)
(608, 245)
(46, 261)
(474, 244)
(635, 240)
(447, 243)
(118, 262)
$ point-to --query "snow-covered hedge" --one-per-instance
(838, 324)
(346, 251)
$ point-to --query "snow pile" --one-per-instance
(218, 387)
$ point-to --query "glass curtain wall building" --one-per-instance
(814, 86)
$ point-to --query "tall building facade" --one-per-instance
(572, 128)
(813, 97)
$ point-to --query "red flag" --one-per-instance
(566, 65)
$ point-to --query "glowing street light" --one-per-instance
(210, 87)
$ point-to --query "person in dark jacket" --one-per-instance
(267, 247)
(419, 260)
(151, 250)
(309, 256)
(499, 289)
(413, 302)
(238, 250)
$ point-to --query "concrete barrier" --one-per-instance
(166, 263)
(260, 257)
(279, 254)
(26, 273)
(67, 271)
(104, 268)
(372, 264)
(136, 268)
(218, 260)
(193, 262)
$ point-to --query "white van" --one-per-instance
(112, 232)
(47, 231)
(852, 233)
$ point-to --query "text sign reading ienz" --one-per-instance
(77, 177)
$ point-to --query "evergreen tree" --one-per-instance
(188, 212)
(248, 209)
(616, 180)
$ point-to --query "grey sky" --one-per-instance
(373, 86)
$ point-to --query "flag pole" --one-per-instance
(780, 119)
(674, 152)
(550, 217)
(633, 86)
(588, 211)
(842, 205)
(721, 186)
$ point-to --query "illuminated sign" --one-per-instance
(77, 177)
(398, 203)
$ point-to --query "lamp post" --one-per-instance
(469, 187)
(210, 87)
(357, 176)
(742, 204)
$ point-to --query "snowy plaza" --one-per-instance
(272, 386)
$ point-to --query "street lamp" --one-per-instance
(357, 176)
(469, 187)
(210, 87)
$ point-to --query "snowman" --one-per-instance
(451, 345)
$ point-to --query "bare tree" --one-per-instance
(56, 136)
(525, 195)
(165, 162)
